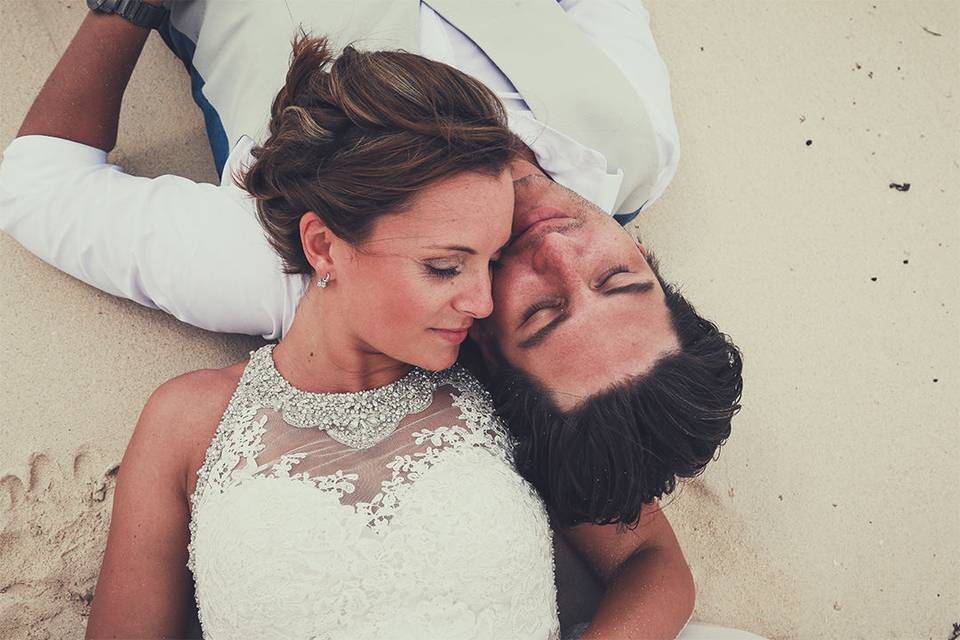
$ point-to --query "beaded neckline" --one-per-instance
(360, 419)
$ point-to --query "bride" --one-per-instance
(347, 482)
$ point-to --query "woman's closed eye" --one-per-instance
(443, 269)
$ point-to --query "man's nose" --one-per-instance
(556, 253)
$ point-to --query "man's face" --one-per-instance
(575, 303)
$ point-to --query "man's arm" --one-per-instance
(80, 101)
(649, 590)
(193, 250)
(621, 29)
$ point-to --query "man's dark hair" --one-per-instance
(625, 446)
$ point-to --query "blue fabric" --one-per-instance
(625, 218)
(184, 49)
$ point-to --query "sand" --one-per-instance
(834, 509)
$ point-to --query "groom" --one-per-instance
(601, 368)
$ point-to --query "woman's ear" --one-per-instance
(317, 240)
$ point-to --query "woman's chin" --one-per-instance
(438, 361)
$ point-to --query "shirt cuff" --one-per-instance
(49, 150)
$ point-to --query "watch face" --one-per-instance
(105, 6)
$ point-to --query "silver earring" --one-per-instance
(322, 282)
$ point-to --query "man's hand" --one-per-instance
(80, 101)
(649, 590)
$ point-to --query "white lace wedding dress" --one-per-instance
(389, 513)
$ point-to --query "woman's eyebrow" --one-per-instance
(454, 247)
(468, 250)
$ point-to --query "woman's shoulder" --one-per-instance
(197, 393)
(177, 423)
(184, 411)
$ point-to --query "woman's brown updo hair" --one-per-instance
(356, 138)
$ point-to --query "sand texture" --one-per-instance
(832, 512)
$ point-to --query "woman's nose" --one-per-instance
(476, 300)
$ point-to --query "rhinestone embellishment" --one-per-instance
(359, 420)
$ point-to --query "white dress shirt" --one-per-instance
(196, 250)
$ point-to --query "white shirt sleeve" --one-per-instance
(621, 29)
(191, 249)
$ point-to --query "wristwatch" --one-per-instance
(142, 14)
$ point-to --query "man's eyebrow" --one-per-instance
(542, 334)
(519, 182)
(635, 288)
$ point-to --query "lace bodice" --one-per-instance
(413, 524)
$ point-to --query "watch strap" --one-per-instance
(142, 14)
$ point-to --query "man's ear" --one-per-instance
(317, 240)
(643, 249)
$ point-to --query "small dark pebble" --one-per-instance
(809, 142)
(900, 187)
(870, 74)
(933, 33)
(780, 498)
(701, 48)
(906, 262)
(873, 279)
(936, 379)
(834, 504)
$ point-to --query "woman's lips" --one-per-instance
(453, 336)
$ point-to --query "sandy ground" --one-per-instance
(833, 511)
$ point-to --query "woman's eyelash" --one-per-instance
(444, 273)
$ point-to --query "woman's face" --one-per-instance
(412, 290)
